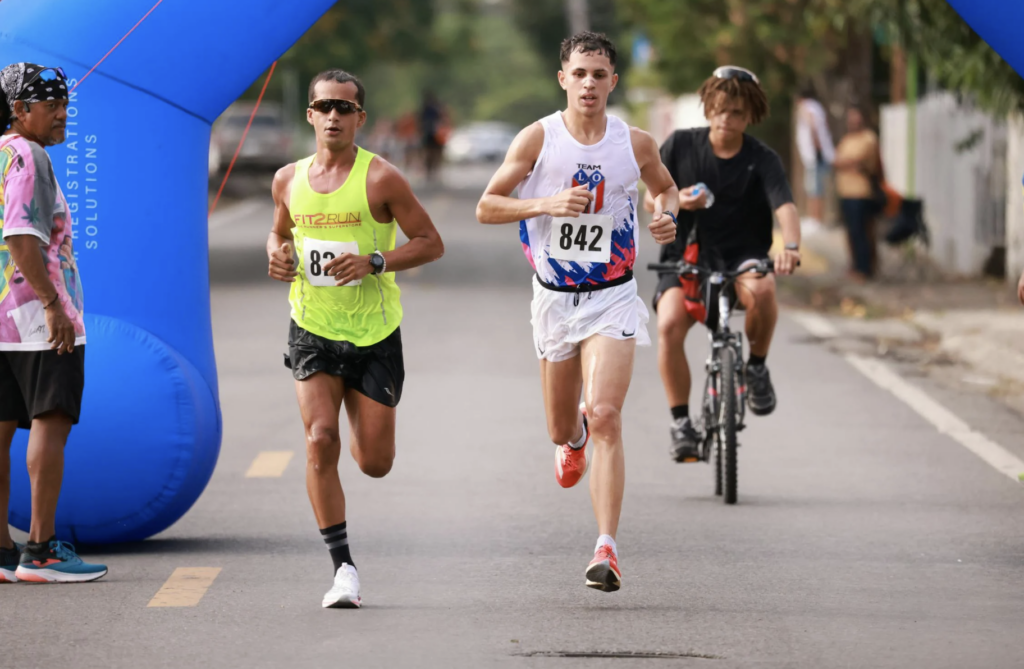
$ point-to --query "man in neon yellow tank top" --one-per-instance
(335, 218)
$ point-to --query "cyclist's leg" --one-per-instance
(758, 298)
(607, 366)
(673, 325)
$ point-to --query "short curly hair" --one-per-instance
(715, 89)
(588, 42)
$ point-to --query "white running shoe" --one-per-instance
(345, 593)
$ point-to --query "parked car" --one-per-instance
(484, 141)
(268, 145)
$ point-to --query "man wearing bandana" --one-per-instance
(42, 335)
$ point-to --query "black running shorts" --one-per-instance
(35, 382)
(377, 371)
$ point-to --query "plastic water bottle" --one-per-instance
(702, 188)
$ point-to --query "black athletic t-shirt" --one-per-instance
(747, 187)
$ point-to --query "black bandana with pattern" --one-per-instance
(21, 81)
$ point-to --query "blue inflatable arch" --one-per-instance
(134, 170)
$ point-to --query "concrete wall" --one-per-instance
(961, 177)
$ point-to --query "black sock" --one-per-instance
(756, 359)
(336, 538)
(40, 548)
(681, 411)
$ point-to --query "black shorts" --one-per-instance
(729, 263)
(377, 371)
(35, 382)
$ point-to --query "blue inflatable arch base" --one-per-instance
(134, 170)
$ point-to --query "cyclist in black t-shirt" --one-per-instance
(748, 184)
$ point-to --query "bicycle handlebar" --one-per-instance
(682, 267)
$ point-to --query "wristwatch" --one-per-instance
(377, 262)
(793, 247)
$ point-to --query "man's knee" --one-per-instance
(605, 422)
(758, 294)
(673, 329)
(673, 325)
(323, 446)
(375, 465)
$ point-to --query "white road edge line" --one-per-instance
(942, 418)
(816, 324)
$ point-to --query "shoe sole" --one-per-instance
(8, 575)
(52, 576)
(345, 604)
(761, 412)
(601, 576)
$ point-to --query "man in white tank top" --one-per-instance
(577, 174)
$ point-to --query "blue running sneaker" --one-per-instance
(58, 564)
(9, 558)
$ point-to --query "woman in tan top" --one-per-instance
(857, 165)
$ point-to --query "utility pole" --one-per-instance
(578, 15)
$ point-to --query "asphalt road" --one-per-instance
(864, 537)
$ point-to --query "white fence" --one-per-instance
(968, 174)
(1015, 199)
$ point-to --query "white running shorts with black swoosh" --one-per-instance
(560, 321)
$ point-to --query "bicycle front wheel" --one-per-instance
(728, 392)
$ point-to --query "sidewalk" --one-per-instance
(913, 313)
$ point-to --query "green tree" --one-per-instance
(829, 41)
(781, 40)
(951, 51)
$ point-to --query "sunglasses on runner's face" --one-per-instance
(733, 72)
(343, 106)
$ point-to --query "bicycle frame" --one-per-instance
(718, 339)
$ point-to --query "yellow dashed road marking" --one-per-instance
(185, 587)
(269, 464)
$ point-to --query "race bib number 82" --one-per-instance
(583, 239)
(317, 252)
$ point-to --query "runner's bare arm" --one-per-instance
(659, 184)
(388, 190)
(496, 205)
(280, 241)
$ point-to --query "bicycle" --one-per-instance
(723, 408)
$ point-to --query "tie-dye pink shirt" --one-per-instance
(31, 203)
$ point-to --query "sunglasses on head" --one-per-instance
(343, 106)
(733, 72)
(48, 74)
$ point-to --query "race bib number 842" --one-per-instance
(316, 253)
(583, 239)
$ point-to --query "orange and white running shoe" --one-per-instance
(603, 571)
(571, 463)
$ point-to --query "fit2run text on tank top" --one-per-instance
(601, 246)
(326, 225)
